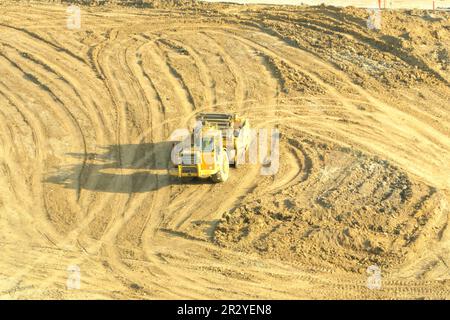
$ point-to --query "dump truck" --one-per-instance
(218, 140)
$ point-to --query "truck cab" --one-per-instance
(206, 157)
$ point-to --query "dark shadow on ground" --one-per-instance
(125, 168)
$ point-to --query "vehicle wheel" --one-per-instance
(222, 175)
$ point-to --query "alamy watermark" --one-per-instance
(374, 19)
(73, 278)
(374, 278)
(73, 21)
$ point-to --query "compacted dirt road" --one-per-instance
(86, 117)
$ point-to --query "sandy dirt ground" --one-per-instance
(388, 4)
(364, 177)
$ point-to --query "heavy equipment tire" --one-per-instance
(222, 174)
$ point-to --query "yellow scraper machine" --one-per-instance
(217, 140)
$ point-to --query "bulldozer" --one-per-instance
(218, 140)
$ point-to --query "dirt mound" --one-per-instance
(293, 81)
(350, 210)
(342, 37)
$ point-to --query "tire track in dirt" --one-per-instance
(116, 222)
(72, 80)
(71, 122)
(41, 39)
(68, 237)
(387, 115)
(114, 230)
(87, 98)
(240, 92)
(199, 63)
(157, 200)
(176, 81)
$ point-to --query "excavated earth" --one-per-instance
(87, 118)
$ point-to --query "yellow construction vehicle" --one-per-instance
(235, 133)
(217, 140)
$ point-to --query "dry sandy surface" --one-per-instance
(364, 177)
(394, 4)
